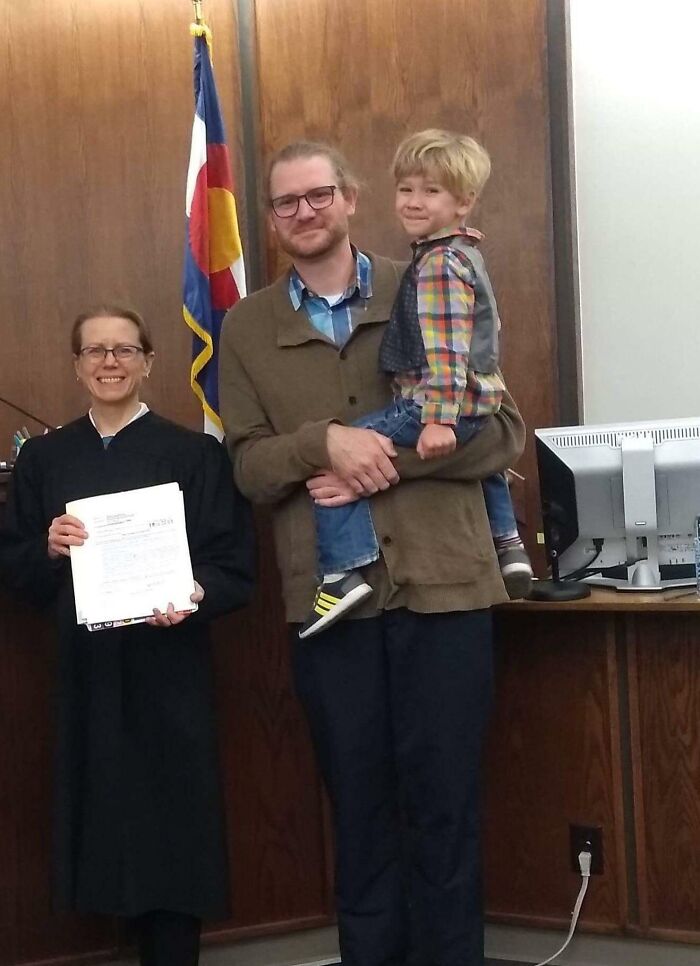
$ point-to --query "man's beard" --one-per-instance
(329, 239)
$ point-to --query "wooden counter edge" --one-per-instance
(679, 600)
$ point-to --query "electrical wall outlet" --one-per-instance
(586, 838)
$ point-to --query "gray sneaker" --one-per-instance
(334, 599)
(516, 571)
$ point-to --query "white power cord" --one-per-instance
(584, 862)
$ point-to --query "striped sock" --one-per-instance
(509, 542)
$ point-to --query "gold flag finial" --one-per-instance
(199, 28)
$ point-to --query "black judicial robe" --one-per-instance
(138, 807)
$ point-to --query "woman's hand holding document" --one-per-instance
(135, 563)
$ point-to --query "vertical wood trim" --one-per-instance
(639, 823)
(617, 767)
(255, 257)
(629, 867)
(566, 289)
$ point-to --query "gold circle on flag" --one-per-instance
(224, 245)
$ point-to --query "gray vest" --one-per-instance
(402, 348)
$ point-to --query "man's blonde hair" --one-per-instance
(455, 161)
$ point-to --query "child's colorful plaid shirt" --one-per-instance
(447, 388)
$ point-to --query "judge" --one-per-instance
(139, 828)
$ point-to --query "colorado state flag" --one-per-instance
(214, 275)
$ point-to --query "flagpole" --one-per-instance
(197, 4)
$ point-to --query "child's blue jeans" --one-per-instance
(345, 535)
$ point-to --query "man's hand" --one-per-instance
(436, 440)
(65, 532)
(362, 458)
(329, 489)
(171, 617)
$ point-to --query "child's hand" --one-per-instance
(436, 440)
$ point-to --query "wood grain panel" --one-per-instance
(9, 838)
(97, 104)
(97, 108)
(35, 931)
(362, 74)
(666, 743)
(275, 810)
(552, 760)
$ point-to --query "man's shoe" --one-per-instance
(334, 598)
(516, 571)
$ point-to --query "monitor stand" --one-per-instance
(644, 575)
(639, 501)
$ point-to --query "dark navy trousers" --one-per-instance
(397, 707)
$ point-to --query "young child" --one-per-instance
(441, 350)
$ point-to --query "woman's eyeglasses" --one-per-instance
(98, 353)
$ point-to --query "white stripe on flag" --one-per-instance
(212, 429)
(198, 157)
(238, 272)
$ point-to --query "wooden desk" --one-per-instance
(597, 722)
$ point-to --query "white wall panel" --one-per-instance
(636, 117)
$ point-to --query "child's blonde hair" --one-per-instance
(455, 161)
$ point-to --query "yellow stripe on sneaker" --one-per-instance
(322, 606)
(328, 598)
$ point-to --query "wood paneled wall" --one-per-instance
(278, 832)
(596, 715)
(364, 73)
(97, 106)
(97, 109)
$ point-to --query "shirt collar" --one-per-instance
(361, 283)
(472, 235)
(142, 410)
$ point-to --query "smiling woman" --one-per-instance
(138, 817)
(113, 354)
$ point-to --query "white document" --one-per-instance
(135, 558)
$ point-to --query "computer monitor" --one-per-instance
(619, 502)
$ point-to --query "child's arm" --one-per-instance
(494, 448)
(446, 316)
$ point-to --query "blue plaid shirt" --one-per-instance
(336, 321)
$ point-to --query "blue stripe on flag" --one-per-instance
(205, 93)
(197, 302)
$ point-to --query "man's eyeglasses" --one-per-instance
(98, 353)
(286, 206)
